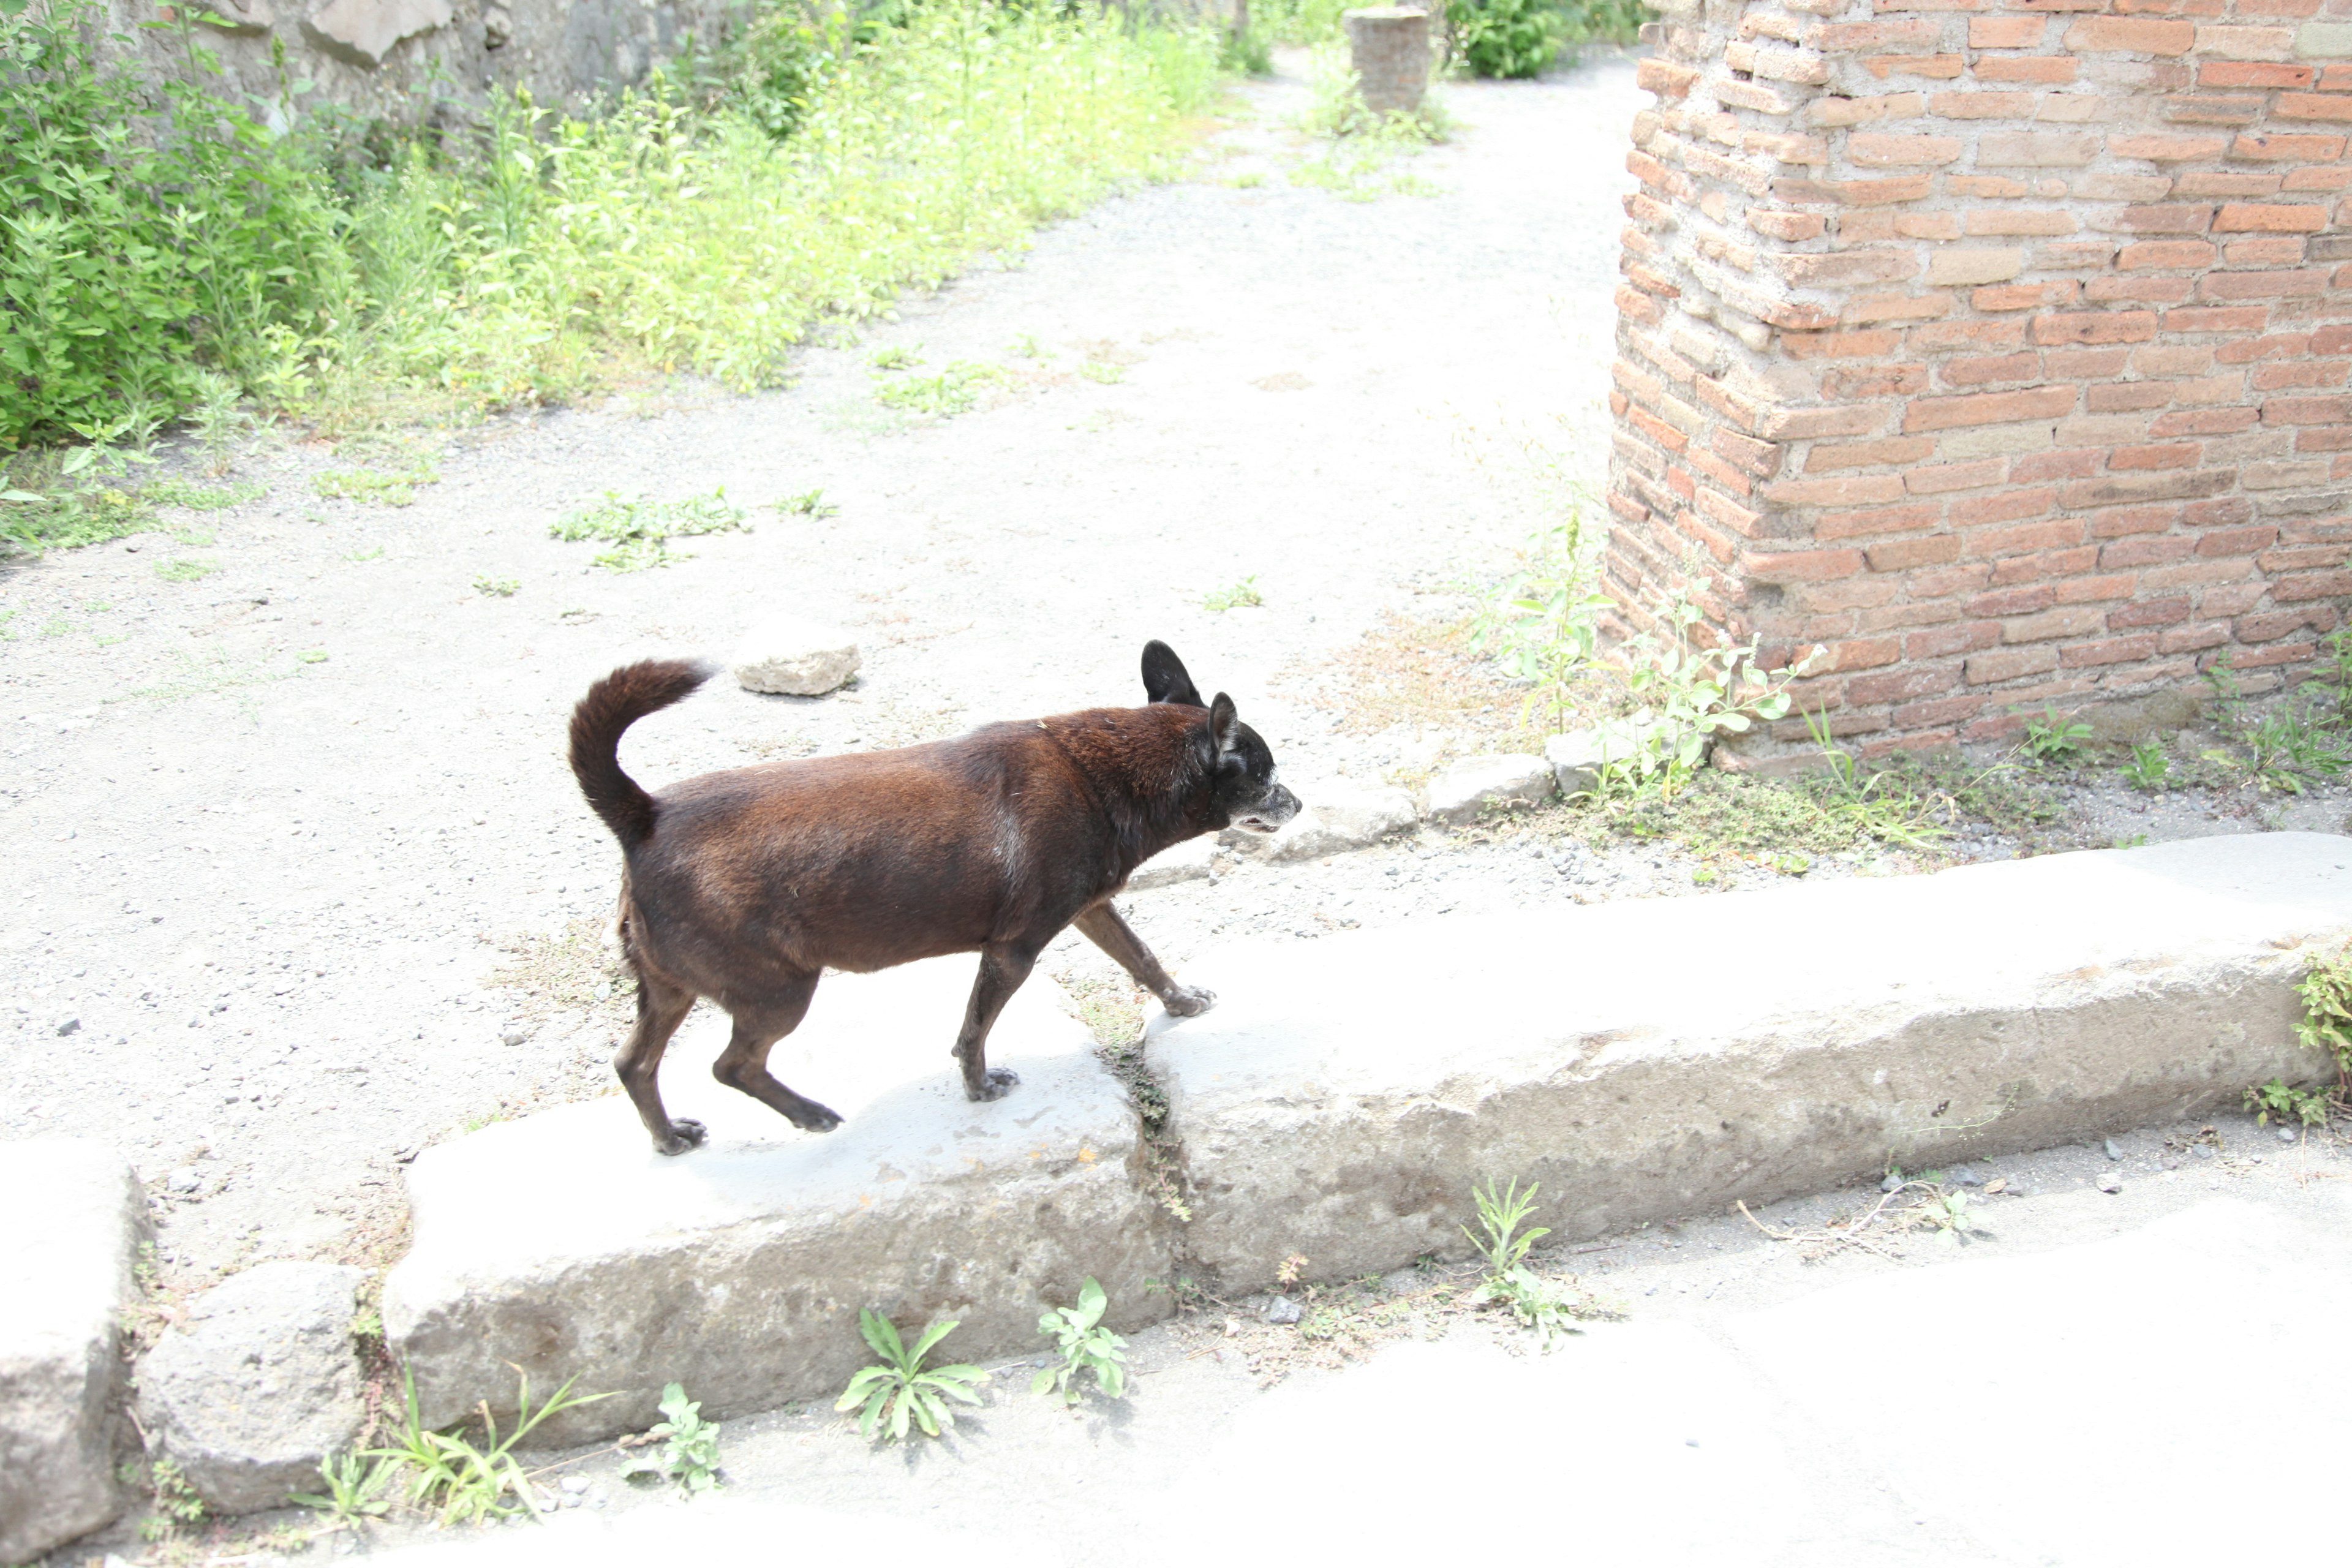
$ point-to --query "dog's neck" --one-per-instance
(1150, 771)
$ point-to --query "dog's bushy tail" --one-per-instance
(611, 705)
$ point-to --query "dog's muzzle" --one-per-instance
(1268, 815)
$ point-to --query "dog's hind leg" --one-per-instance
(1102, 926)
(1003, 967)
(743, 1065)
(661, 1008)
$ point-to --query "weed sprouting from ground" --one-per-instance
(1085, 1347)
(690, 1452)
(450, 1474)
(1242, 596)
(897, 1393)
(1113, 1011)
(1503, 1239)
(953, 391)
(640, 531)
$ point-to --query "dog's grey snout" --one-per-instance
(1280, 805)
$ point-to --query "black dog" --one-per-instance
(745, 886)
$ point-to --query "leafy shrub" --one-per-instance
(1505, 37)
(898, 1391)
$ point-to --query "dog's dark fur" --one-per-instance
(745, 886)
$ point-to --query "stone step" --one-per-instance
(562, 1244)
(1663, 1057)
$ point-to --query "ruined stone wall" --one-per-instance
(397, 59)
(1998, 346)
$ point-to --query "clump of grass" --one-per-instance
(451, 1475)
(199, 498)
(952, 390)
(1242, 596)
(640, 530)
(497, 587)
(185, 570)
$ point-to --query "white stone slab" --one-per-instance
(68, 1235)
(1662, 1057)
(563, 1243)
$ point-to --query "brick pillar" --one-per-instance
(2000, 346)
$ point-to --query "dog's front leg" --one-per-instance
(1002, 968)
(1102, 926)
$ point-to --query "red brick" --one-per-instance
(1869, 653)
(2243, 218)
(1801, 565)
(2010, 506)
(1869, 453)
(2126, 397)
(1988, 408)
(1940, 479)
(2269, 251)
(1665, 78)
(2153, 253)
(2013, 601)
(2095, 327)
(1877, 520)
(2283, 623)
(1840, 345)
(2171, 455)
(2305, 585)
(2043, 69)
(2049, 535)
(2252, 73)
(1942, 642)
(2114, 489)
(2038, 466)
(1941, 711)
(1901, 554)
(2217, 319)
(1903, 685)
(2138, 36)
(2237, 542)
(2007, 664)
(2145, 551)
(2167, 149)
(2306, 410)
(2300, 149)
(2005, 32)
(2174, 219)
(2109, 650)
(2313, 106)
(2321, 372)
(1985, 370)
(2149, 613)
(2070, 622)
(2191, 640)
(2204, 422)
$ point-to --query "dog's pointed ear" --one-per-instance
(1224, 724)
(1164, 680)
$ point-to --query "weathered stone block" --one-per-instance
(739, 1269)
(68, 1243)
(365, 32)
(1389, 48)
(1509, 782)
(257, 1385)
(1345, 1096)
(795, 656)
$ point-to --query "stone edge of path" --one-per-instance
(68, 1246)
(1676, 1054)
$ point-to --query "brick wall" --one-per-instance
(1999, 346)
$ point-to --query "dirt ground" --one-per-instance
(300, 882)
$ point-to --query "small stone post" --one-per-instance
(1389, 47)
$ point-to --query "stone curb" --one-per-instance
(1663, 1057)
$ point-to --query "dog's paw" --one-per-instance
(1189, 1002)
(815, 1118)
(997, 1084)
(684, 1134)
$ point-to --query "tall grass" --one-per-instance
(541, 254)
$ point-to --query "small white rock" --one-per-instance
(796, 657)
(1338, 818)
(1509, 782)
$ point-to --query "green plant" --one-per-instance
(2055, 737)
(1880, 802)
(1242, 596)
(449, 1473)
(2150, 768)
(199, 498)
(808, 503)
(640, 531)
(1949, 1212)
(896, 358)
(1542, 624)
(951, 392)
(1085, 1345)
(497, 587)
(1109, 375)
(1685, 696)
(2326, 1022)
(1505, 37)
(354, 1489)
(2304, 1107)
(898, 1391)
(176, 1502)
(1509, 1281)
(396, 487)
(185, 570)
(690, 1453)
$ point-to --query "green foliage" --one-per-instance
(2055, 737)
(951, 392)
(2150, 768)
(1505, 37)
(1085, 1345)
(152, 227)
(1536, 1302)
(1684, 697)
(2326, 1023)
(199, 498)
(166, 254)
(354, 1489)
(185, 570)
(1299, 21)
(176, 1502)
(690, 1453)
(497, 587)
(640, 531)
(2303, 1107)
(395, 486)
(808, 503)
(895, 358)
(1882, 802)
(1109, 375)
(1242, 596)
(448, 1474)
(898, 1392)
(1543, 624)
